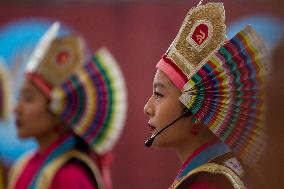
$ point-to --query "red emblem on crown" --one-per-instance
(200, 34)
(62, 57)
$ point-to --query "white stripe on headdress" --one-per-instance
(42, 47)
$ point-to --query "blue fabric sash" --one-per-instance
(204, 156)
(63, 147)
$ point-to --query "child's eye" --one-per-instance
(157, 95)
(26, 97)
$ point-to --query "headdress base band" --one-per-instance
(173, 72)
(40, 83)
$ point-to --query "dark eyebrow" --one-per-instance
(27, 90)
(24, 90)
(156, 85)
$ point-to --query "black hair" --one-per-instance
(81, 145)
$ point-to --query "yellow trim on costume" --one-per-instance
(49, 172)
(1, 177)
(215, 169)
(17, 170)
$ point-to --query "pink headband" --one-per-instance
(42, 85)
(173, 72)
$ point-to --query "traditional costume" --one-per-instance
(90, 98)
(222, 85)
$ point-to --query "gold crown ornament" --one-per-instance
(201, 34)
(55, 59)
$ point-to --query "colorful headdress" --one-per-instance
(89, 97)
(5, 93)
(221, 82)
(54, 59)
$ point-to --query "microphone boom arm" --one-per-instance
(149, 142)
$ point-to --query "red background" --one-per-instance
(137, 34)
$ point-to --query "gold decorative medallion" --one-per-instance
(200, 35)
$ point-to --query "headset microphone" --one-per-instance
(150, 141)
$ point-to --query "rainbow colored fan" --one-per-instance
(227, 95)
(93, 102)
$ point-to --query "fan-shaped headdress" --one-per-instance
(89, 96)
(221, 81)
